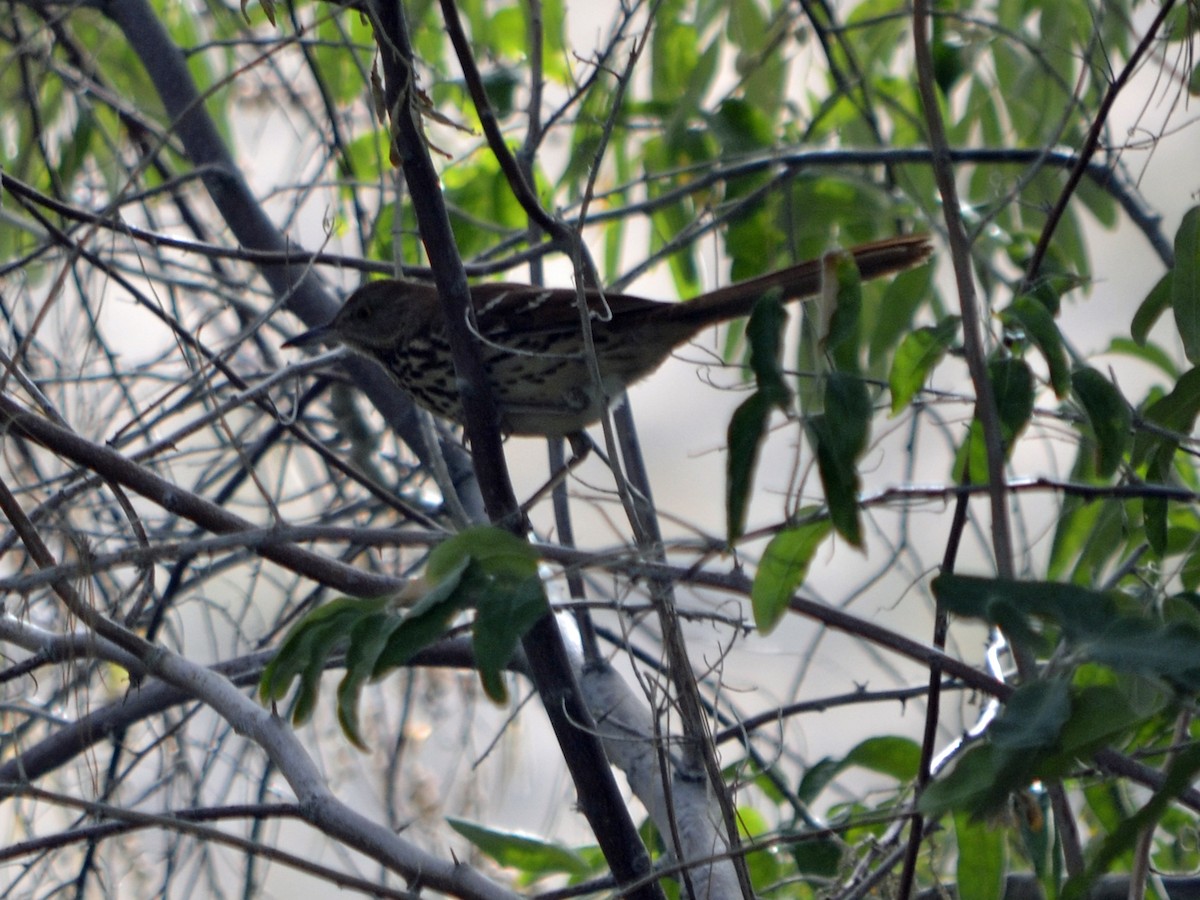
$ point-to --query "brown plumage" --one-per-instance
(532, 342)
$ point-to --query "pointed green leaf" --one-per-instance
(501, 620)
(916, 357)
(1151, 309)
(840, 436)
(306, 649)
(1032, 317)
(979, 784)
(1012, 386)
(897, 757)
(980, 867)
(748, 425)
(1185, 284)
(783, 568)
(367, 641)
(499, 553)
(1033, 717)
(1179, 777)
(901, 299)
(428, 619)
(532, 856)
(1108, 414)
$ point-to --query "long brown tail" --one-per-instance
(802, 280)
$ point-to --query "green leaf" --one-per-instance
(1100, 713)
(306, 649)
(427, 620)
(916, 357)
(741, 128)
(1170, 651)
(1177, 412)
(1092, 622)
(902, 296)
(1179, 777)
(1109, 415)
(1017, 607)
(1033, 717)
(842, 341)
(821, 857)
(980, 867)
(817, 777)
(1012, 386)
(897, 757)
(1085, 611)
(1032, 317)
(1156, 303)
(1013, 390)
(367, 641)
(499, 553)
(1151, 354)
(979, 784)
(840, 436)
(532, 856)
(748, 425)
(783, 568)
(502, 619)
(1185, 284)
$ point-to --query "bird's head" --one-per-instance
(374, 318)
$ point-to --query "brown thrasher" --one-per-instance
(533, 348)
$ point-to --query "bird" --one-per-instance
(532, 341)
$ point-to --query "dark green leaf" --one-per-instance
(741, 128)
(1179, 777)
(979, 784)
(307, 647)
(1108, 414)
(840, 436)
(1033, 717)
(748, 426)
(1170, 651)
(1032, 317)
(817, 777)
(1185, 284)
(532, 856)
(843, 340)
(1156, 303)
(367, 641)
(819, 857)
(1177, 412)
(501, 620)
(1012, 385)
(427, 620)
(1100, 713)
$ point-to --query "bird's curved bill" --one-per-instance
(311, 337)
